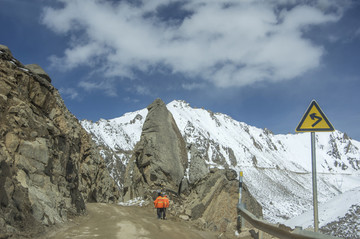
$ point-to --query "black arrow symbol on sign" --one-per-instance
(313, 116)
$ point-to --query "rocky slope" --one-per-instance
(277, 168)
(49, 167)
(346, 226)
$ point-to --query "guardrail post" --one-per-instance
(260, 231)
(241, 220)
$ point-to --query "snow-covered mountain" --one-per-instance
(277, 168)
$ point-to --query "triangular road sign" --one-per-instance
(314, 120)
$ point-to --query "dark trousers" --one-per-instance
(161, 213)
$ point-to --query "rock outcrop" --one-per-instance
(212, 201)
(159, 158)
(39, 71)
(197, 168)
(209, 197)
(49, 167)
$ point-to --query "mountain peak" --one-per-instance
(179, 103)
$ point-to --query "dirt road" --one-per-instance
(114, 221)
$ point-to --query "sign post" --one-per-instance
(314, 120)
(314, 182)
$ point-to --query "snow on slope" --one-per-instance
(277, 168)
(328, 212)
(119, 133)
(340, 216)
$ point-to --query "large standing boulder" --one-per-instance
(49, 167)
(159, 158)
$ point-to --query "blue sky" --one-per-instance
(261, 62)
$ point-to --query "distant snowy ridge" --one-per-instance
(277, 168)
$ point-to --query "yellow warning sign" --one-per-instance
(314, 120)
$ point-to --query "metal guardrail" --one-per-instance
(277, 230)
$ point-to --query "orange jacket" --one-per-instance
(161, 202)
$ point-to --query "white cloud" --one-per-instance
(69, 93)
(131, 100)
(192, 86)
(233, 44)
(83, 54)
(142, 90)
(106, 85)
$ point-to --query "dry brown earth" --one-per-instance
(114, 221)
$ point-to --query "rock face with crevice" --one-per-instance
(49, 167)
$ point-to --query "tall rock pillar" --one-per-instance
(159, 158)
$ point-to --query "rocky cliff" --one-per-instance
(48, 166)
(206, 196)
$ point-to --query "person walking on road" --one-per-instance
(161, 203)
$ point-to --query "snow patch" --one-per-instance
(134, 202)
